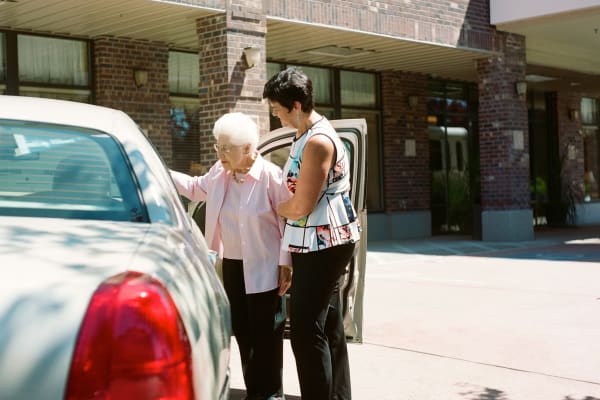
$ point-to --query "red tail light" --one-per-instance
(131, 345)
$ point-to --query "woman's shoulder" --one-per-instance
(215, 171)
(216, 168)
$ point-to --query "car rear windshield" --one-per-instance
(65, 172)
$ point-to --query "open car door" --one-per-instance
(275, 147)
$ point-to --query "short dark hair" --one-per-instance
(288, 86)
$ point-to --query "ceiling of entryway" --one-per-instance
(565, 47)
(305, 43)
(175, 24)
(139, 19)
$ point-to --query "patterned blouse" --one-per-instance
(333, 221)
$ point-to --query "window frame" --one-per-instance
(12, 83)
(183, 95)
(333, 111)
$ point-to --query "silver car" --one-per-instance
(107, 287)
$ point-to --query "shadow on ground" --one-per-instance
(490, 394)
(494, 394)
(563, 245)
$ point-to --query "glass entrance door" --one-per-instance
(545, 161)
(450, 116)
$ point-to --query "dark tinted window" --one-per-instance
(65, 172)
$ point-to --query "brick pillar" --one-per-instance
(407, 182)
(504, 143)
(115, 59)
(226, 84)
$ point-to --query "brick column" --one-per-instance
(226, 84)
(504, 143)
(115, 59)
(407, 180)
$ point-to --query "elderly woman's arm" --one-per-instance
(316, 161)
(278, 192)
(192, 187)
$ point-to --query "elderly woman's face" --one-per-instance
(232, 156)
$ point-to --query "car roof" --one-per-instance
(64, 112)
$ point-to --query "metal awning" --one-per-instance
(167, 22)
(174, 23)
(303, 43)
(563, 49)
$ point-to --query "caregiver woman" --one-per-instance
(321, 232)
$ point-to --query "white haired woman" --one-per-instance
(242, 191)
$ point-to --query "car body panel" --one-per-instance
(51, 267)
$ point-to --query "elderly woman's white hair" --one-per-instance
(238, 127)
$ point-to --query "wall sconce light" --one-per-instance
(413, 101)
(574, 114)
(521, 89)
(140, 77)
(252, 56)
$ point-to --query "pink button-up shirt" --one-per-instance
(261, 229)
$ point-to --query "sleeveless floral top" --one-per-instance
(333, 221)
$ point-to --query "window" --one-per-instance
(358, 89)
(322, 83)
(64, 172)
(52, 61)
(450, 114)
(45, 66)
(2, 64)
(357, 97)
(184, 73)
(589, 111)
(591, 148)
(460, 165)
(374, 179)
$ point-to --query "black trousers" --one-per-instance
(257, 322)
(317, 326)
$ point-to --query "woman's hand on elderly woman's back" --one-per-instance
(285, 278)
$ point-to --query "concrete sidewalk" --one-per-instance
(450, 318)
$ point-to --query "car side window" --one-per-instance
(64, 172)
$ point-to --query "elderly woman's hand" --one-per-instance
(285, 278)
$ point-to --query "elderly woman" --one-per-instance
(321, 232)
(242, 191)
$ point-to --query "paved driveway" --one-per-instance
(451, 318)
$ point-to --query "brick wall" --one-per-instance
(503, 127)
(407, 180)
(462, 22)
(115, 61)
(226, 84)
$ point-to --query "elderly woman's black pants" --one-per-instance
(257, 321)
(317, 326)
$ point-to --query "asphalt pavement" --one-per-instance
(449, 318)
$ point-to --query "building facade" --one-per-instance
(482, 116)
